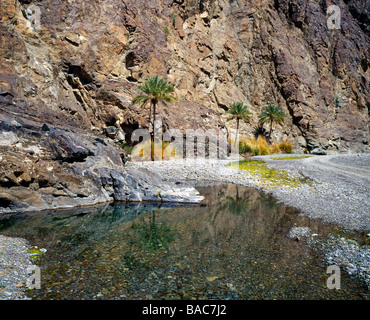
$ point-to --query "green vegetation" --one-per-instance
(154, 90)
(338, 100)
(259, 145)
(148, 241)
(173, 16)
(271, 114)
(166, 32)
(34, 251)
(238, 206)
(285, 147)
(126, 147)
(152, 235)
(238, 111)
(35, 255)
(291, 158)
(271, 177)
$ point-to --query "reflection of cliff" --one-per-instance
(236, 246)
(91, 223)
(236, 212)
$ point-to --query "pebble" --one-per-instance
(14, 261)
(345, 253)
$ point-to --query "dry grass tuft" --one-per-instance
(260, 147)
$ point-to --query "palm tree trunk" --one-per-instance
(270, 130)
(153, 133)
(150, 115)
(237, 132)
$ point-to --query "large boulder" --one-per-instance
(60, 168)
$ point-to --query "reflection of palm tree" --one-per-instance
(267, 201)
(153, 235)
(238, 205)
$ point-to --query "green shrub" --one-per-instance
(286, 147)
(126, 147)
(257, 146)
(256, 151)
(173, 18)
(244, 148)
(166, 32)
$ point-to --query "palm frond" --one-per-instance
(272, 113)
(239, 111)
(140, 99)
(157, 89)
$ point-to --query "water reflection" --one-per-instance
(233, 246)
(151, 234)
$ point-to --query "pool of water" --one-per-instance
(233, 246)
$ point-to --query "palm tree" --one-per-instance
(154, 90)
(271, 114)
(238, 111)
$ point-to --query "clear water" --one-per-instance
(233, 246)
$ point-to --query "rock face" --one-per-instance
(69, 70)
(47, 167)
(80, 62)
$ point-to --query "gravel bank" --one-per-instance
(344, 253)
(338, 194)
(341, 193)
(14, 261)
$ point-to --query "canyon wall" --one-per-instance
(81, 61)
(74, 66)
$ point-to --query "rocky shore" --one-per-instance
(338, 193)
(14, 260)
(46, 167)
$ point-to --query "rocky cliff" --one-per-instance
(69, 70)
